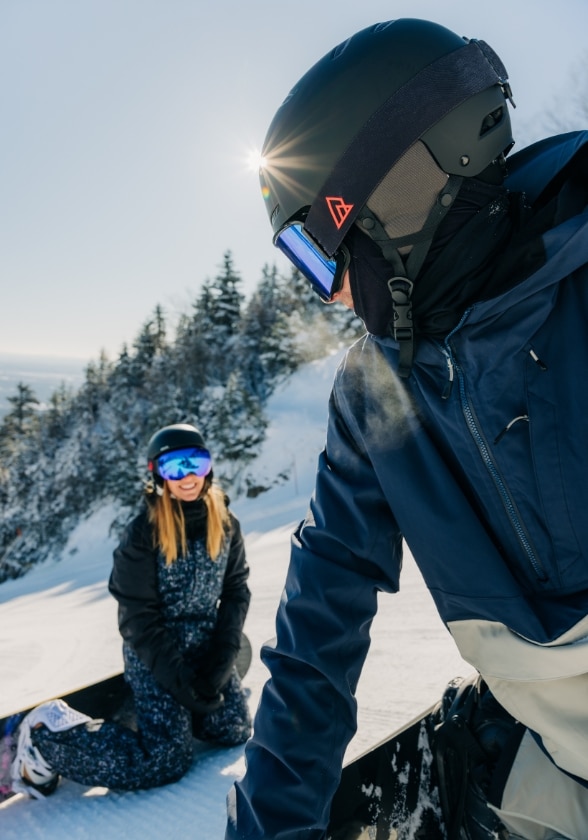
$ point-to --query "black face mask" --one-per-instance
(369, 273)
(457, 270)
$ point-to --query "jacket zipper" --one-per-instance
(482, 447)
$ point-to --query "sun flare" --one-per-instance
(255, 160)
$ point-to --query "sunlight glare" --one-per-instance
(255, 160)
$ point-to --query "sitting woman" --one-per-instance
(180, 579)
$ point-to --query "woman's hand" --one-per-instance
(205, 697)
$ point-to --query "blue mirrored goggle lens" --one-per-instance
(316, 267)
(182, 462)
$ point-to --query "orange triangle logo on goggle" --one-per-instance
(338, 209)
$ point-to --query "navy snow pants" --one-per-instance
(111, 755)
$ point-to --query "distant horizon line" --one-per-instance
(48, 357)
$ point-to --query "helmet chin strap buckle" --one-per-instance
(402, 327)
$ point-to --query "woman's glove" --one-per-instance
(197, 695)
(205, 697)
(214, 669)
(221, 673)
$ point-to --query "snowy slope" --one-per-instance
(58, 631)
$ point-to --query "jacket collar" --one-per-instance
(540, 166)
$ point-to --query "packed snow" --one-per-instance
(58, 632)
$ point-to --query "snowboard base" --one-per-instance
(390, 792)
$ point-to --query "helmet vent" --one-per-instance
(380, 27)
(339, 49)
(491, 119)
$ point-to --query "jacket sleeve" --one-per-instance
(235, 596)
(232, 611)
(307, 712)
(133, 583)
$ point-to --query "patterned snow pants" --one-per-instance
(111, 755)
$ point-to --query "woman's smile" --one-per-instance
(186, 489)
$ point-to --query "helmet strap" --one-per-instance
(442, 206)
(402, 329)
(406, 269)
(399, 286)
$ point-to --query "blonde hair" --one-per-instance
(169, 527)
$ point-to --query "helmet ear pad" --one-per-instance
(407, 194)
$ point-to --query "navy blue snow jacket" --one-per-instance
(480, 462)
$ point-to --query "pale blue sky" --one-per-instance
(126, 129)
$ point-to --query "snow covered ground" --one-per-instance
(58, 632)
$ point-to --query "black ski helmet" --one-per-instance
(168, 438)
(359, 109)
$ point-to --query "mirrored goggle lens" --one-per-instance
(182, 462)
(323, 274)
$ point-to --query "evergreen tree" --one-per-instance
(224, 320)
(25, 484)
(22, 419)
(268, 345)
(226, 312)
(95, 388)
(191, 351)
(54, 420)
(149, 343)
(237, 428)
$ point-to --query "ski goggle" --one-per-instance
(179, 463)
(325, 274)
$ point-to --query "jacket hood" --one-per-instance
(539, 170)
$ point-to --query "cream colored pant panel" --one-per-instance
(539, 802)
(543, 686)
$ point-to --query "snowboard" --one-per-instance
(390, 792)
(110, 699)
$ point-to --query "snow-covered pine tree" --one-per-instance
(192, 352)
(268, 342)
(235, 430)
(21, 419)
(224, 321)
